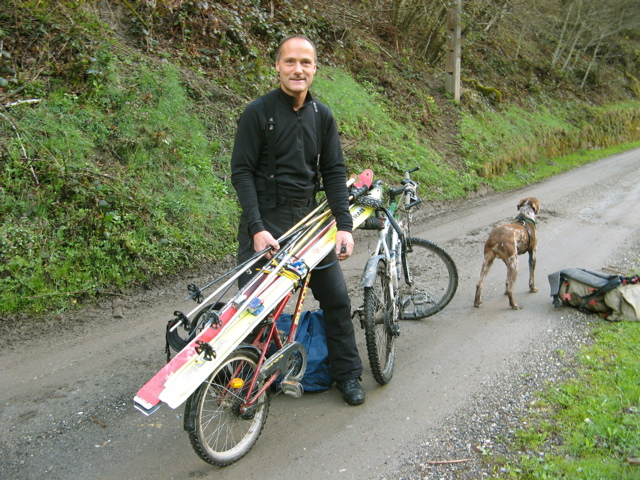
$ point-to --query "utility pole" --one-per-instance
(452, 74)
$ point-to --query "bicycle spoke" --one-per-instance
(225, 428)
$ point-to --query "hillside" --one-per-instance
(117, 117)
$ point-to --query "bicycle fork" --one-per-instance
(393, 272)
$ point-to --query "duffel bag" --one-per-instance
(311, 334)
(594, 292)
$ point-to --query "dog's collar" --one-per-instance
(523, 219)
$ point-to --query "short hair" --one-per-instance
(302, 37)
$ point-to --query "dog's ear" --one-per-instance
(536, 206)
(521, 203)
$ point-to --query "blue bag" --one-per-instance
(311, 334)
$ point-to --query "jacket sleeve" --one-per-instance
(334, 173)
(244, 163)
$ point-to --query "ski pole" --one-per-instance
(268, 281)
(305, 222)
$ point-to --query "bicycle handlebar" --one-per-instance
(394, 192)
(407, 183)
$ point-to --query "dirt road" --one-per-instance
(66, 400)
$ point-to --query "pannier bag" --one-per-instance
(311, 334)
(614, 296)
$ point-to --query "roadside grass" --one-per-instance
(374, 139)
(108, 189)
(589, 426)
(532, 173)
(511, 146)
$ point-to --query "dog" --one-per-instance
(506, 242)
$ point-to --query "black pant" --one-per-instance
(327, 284)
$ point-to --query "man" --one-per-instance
(306, 146)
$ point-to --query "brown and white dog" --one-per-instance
(506, 242)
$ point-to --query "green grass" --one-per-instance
(377, 141)
(119, 187)
(532, 173)
(588, 427)
(503, 145)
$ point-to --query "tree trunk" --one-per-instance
(591, 63)
(560, 47)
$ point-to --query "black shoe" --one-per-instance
(351, 390)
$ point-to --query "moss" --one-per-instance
(491, 93)
(634, 84)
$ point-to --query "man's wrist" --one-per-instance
(256, 228)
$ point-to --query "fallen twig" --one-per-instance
(24, 151)
(19, 102)
(103, 425)
(439, 462)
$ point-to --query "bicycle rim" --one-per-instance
(435, 280)
(380, 327)
(224, 433)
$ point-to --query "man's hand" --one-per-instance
(344, 245)
(264, 239)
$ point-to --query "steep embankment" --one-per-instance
(118, 122)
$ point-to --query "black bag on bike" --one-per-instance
(311, 334)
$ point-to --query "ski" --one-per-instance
(180, 377)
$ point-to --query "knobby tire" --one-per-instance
(223, 433)
(379, 326)
(435, 280)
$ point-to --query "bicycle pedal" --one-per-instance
(291, 388)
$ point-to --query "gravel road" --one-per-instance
(464, 377)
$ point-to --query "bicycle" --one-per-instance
(406, 278)
(233, 356)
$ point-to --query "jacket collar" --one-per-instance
(289, 100)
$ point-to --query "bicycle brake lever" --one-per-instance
(414, 204)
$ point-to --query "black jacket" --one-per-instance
(296, 153)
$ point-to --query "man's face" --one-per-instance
(296, 66)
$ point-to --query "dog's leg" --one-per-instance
(489, 257)
(532, 268)
(512, 274)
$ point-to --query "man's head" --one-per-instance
(296, 65)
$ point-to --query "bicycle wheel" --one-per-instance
(380, 326)
(225, 431)
(435, 280)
